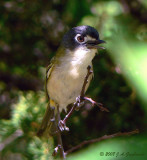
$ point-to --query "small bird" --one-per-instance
(67, 70)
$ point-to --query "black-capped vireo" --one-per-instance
(67, 70)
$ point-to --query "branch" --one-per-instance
(102, 138)
(81, 99)
(89, 71)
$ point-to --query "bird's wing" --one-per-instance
(46, 122)
(48, 73)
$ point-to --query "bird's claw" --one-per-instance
(56, 150)
(62, 126)
(79, 103)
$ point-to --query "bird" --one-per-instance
(67, 70)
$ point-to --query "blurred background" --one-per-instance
(30, 33)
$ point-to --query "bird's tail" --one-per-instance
(48, 122)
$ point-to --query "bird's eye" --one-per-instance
(80, 38)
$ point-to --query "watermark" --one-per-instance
(121, 154)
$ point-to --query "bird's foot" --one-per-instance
(56, 150)
(62, 126)
(59, 146)
(80, 102)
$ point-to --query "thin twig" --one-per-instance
(89, 71)
(101, 138)
(70, 113)
(83, 98)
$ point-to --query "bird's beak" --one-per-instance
(95, 44)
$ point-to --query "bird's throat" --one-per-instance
(80, 59)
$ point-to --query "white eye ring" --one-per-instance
(79, 38)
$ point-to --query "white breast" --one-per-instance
(66, 80)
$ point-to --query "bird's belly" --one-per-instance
(64, 86)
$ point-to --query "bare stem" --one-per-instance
(89, 71)
(101, 138)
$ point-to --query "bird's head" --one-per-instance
(85, 37)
